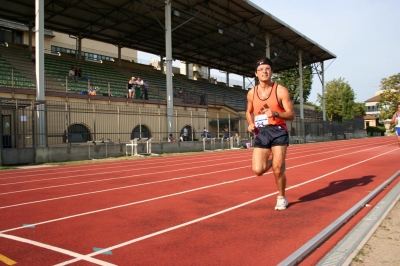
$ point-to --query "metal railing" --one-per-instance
(28, 123)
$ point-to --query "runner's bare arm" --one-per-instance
(249, 111)
(284, 99)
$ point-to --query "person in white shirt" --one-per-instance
(138, 87)
(185, 134)
(71, 73)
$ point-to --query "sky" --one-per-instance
(363, 34)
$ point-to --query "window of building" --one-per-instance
(18, 37)
(5, 35)
(91, 56)
(141, 132)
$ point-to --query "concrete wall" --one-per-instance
(18, 156)
(90, 151)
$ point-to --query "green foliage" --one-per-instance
(359, 109)
(379, 129)
(347, 100)
(339, 98)
(390, 96)
(290, 79)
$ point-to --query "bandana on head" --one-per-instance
(265, 61)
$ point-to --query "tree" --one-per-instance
(290, 79)
(390, 96)
(347, 100)
(359, 109)
(339, 99)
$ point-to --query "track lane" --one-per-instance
(271, 183)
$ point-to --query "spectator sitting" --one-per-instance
(72, 73)
(138, 86)
(174, 93)
(181, 138)
(92, 90)
(205, 133)
(180, 93)
(171, 138)
(145, 90)
(226, 132)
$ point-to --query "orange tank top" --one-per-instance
(271, 102)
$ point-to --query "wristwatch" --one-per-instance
(276, 114)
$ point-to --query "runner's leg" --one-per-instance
(260, 162)
(279, 155)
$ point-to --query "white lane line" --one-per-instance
(109, 165)
(130, 204)
(169, 195)
(101, 180)
(120, 171)
(99, 191)
(112, 165)
(168, 180)
(216, 213)
(56, 249)
(120, 177)
(124, 187)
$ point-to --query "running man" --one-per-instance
(268, 108)
(396, 121)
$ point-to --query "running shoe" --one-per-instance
(281, 203)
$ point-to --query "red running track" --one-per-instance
(197, 209)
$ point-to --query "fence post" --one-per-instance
(34, 108)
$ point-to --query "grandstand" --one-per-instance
(74, 117)
(16, 60)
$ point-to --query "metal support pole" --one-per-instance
(119, 54)
(323, 91)
(301, 92)
(168, 61)
(39, 64)
(268, 45)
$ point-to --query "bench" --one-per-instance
(348, 135)
(298, 140)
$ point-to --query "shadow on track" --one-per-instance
(335, 187)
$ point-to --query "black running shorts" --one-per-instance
(269, 136)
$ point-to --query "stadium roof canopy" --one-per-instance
(228, 35)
